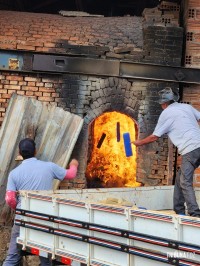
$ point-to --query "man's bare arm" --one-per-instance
(149, 139)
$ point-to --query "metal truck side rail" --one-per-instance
(130, 249)
(178, 245)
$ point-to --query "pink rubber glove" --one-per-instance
(72, 171)
(11, 199)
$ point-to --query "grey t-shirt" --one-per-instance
(33, 174)
(179, 122)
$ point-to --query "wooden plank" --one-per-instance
(170, 163)
(55, 132)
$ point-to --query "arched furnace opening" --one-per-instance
(110, 164)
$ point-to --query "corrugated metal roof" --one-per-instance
(55, 132)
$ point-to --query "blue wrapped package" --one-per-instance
(127, 145)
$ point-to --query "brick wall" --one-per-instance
(191, 92)
(163, 45)
(112, 37)
(90, 96)
(43, 88)
(191, 96)
(192, 20)
(52, 33)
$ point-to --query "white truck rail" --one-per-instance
(76, 226)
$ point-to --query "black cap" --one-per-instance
(27, 148)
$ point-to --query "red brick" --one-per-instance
(25, 47)
(8, 46)
(39, 84)
(74, 38)
(2, 101)
(42, 49)
(4, 81)
(22, 83)
(43, 89)
(13, 82)
(50, 45)
(12, 87)
(46, 99)
(3, 91)
(18, 78)
(29, 93)
(48, 80)
(37, 44)
(31, 79)
(31, 83)
(55, 95)
(37, 36)
(11, 91)
(46, 94)
(38, 93)
(20, 92)
(5, 96)
(48, 85)
(4, 104)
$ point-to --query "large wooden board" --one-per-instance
(55, 132)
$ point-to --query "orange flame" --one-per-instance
(108, 164)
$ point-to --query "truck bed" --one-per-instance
(118, 227)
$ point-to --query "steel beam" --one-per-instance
(106, 67)
(59, 64)
(159, 72)
(75, 65)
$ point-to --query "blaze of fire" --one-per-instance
(108, 163)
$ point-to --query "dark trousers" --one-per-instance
(14, 258)
(183, 189)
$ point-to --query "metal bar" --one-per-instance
(159, 72)
(145, 253)
(130, 249)
(77, 65)
(105, 67)
(178, 245)
(59, 64)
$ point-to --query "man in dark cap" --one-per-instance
(180, 122)
(31, 174)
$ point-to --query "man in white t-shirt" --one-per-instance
(180, 122)
(31, 174)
